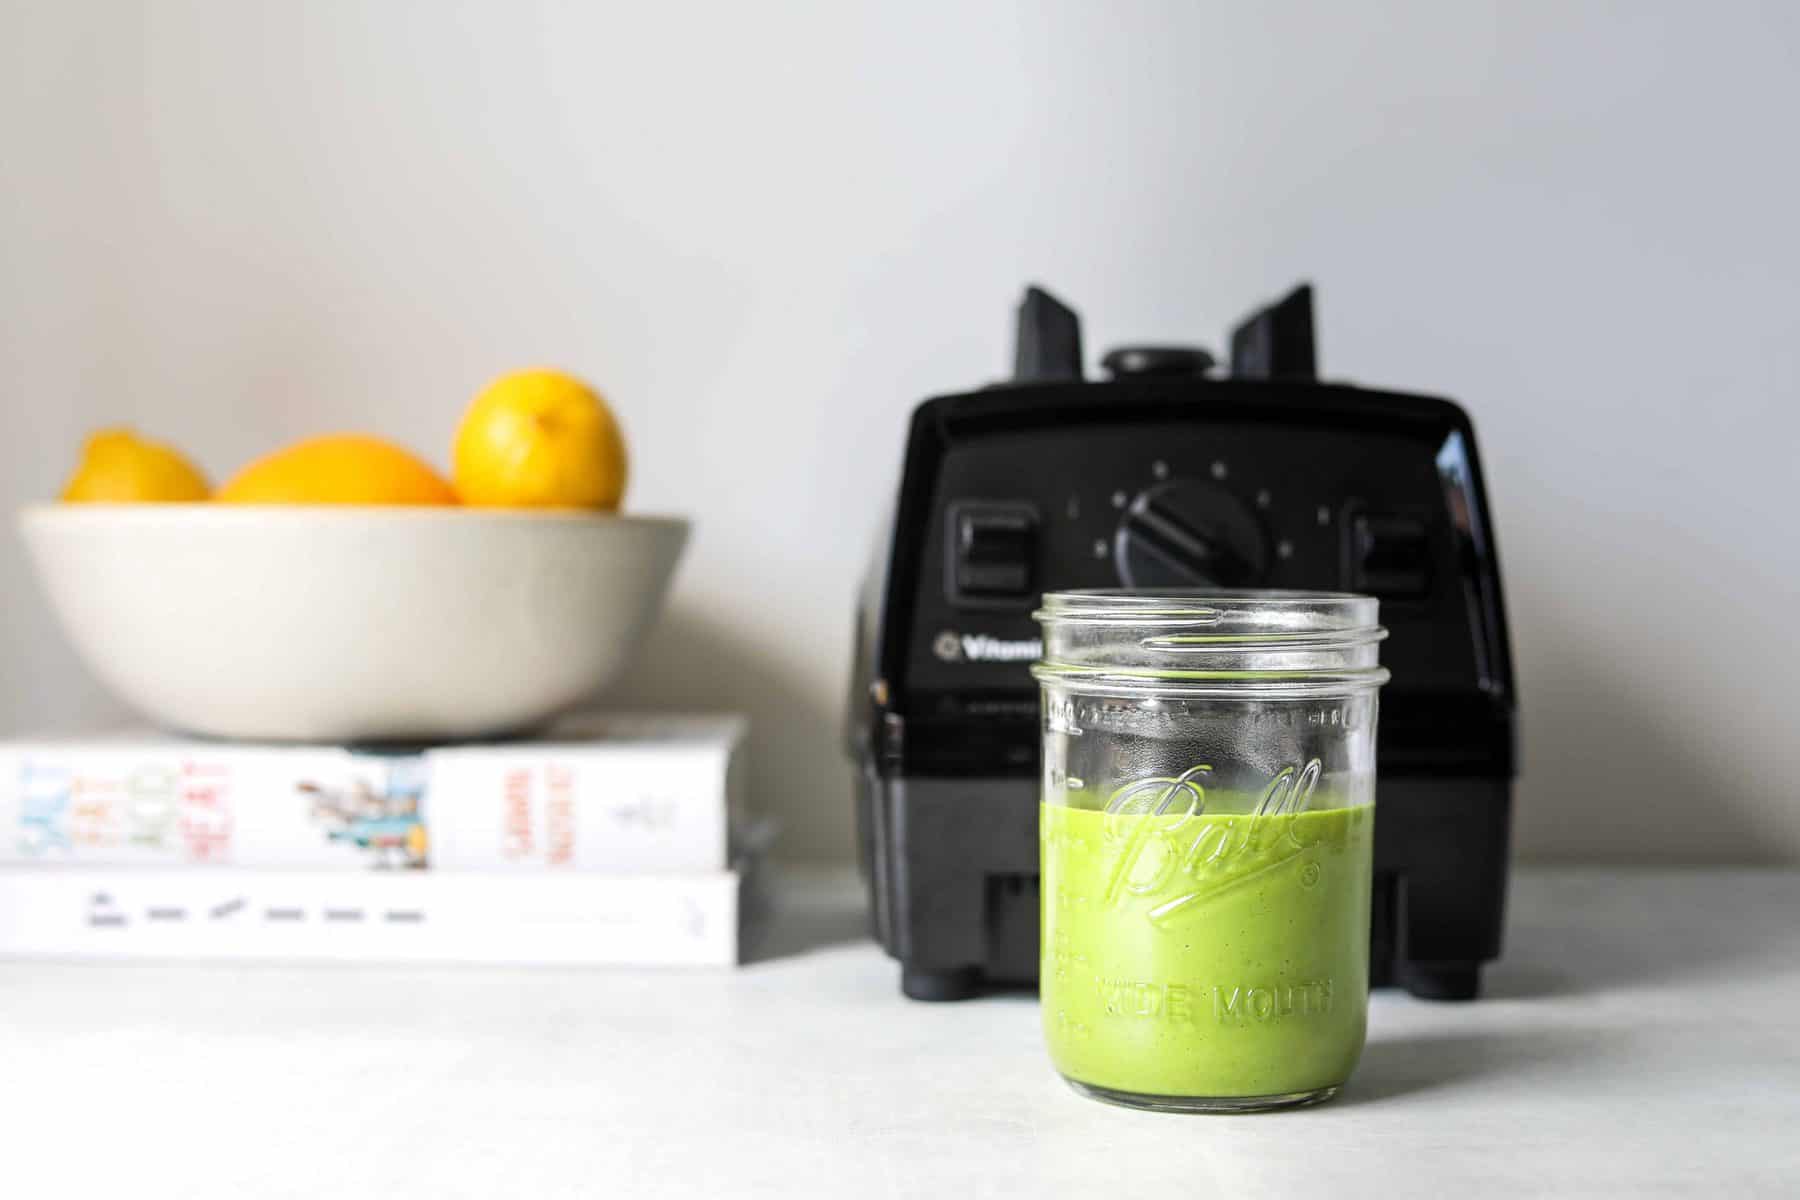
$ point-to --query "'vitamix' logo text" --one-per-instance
(951, 646)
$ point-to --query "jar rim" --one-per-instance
(1188, 640)
(1282, 595)
(1259, 611)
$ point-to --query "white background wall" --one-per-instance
(767, 229)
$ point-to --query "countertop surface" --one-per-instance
(1641, 1037)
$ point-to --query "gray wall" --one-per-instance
(767, 229)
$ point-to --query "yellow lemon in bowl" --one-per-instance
(345, 468)
(119, 467)
(539, 439)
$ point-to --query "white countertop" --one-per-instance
(1641, 1037)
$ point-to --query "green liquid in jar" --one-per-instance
(1212, 955)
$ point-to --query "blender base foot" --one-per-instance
(953, 983)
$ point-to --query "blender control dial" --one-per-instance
(1186, 532)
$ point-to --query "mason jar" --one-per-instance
(1207, 830)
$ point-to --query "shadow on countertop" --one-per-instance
(1590, 930)
(1407, 1065)
(794, 909)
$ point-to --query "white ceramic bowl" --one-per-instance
(334, 623)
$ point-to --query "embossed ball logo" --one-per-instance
(1167, 850)
(947, 646)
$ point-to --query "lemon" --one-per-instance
(118, 466)
(344, 468)
(539, 439)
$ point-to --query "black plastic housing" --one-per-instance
(1349, 488)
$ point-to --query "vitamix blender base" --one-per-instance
(1167, 474)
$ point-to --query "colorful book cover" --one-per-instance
(610, 794)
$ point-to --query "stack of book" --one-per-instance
(607, 840)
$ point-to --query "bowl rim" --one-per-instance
(47, 512)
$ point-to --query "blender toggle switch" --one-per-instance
(993, 550)
(1390, 555)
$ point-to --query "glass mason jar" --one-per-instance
(1207, 834)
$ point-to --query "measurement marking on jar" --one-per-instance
(1127, 718)
(1349, 716)
(1059, 716)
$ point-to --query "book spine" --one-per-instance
(556, 809)
(366, 916)
(181, 805)
(551, 809)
